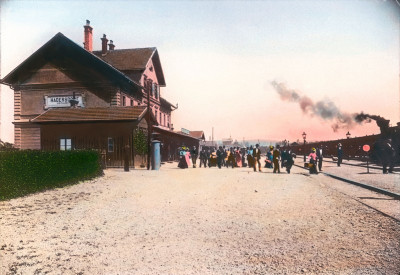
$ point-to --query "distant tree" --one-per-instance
(6, 146)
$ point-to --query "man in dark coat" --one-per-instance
(203, 158)
(320, 157)
(257, 157)
(224, 157)
(276, 155)
(194, 153)
(386, 154)
(220, 156)
(289, 160)
(339, 154)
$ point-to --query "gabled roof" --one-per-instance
(193, 134)
(173, 133)
(197, 134)
(165, 103)
(127, 59)
(64, 50)
(134, 60)
(130, 113)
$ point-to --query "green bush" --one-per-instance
(6, 146)
(25, 172)
(140, 142)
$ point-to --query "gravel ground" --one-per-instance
(197, 221)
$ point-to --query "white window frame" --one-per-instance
(110, 144)
(65, 144)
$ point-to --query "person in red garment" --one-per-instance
(238, 157)
(187, 157)
(313, 161)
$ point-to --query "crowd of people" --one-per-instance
(275, 158)
(233, 157)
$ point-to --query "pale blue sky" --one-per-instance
(227, 52)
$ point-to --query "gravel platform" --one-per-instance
(198, 221)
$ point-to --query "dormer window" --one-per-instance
(145, 82)
(154, 90)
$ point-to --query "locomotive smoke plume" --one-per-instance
(326, 109)
(382, 123)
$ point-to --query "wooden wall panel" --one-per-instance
(116, 98)
(30, 137)
(17, 136)
(48, 74)
(17, 104)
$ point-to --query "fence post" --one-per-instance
(126, 158)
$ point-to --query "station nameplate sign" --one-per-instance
(61, 101)
(185, 131)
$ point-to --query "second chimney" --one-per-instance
(88, 36)
(111, 46)
(104, 41)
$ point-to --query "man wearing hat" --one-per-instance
(275, 158)
(194, 154)
(257, 156)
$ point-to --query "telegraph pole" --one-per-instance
(148, 84)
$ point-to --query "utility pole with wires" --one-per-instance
(149, 126)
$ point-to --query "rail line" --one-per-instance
(370, 166)
(363, 185)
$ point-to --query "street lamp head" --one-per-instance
(304, 135)
(348, 134)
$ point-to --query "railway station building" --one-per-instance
(69, 97)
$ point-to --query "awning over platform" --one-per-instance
(132, 113)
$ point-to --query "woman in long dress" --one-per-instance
(238, 157)
(187, 157)
(182, 159)
(313, 162)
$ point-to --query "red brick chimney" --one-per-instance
(88, 44)
(111, 46)
(104, 41)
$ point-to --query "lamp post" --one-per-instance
(304, 145)
(348, 148)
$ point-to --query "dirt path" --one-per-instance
(197, 221)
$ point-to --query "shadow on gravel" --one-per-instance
(373, 198)
(366, 173)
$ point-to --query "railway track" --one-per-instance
(370, 166)
(360, 184)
